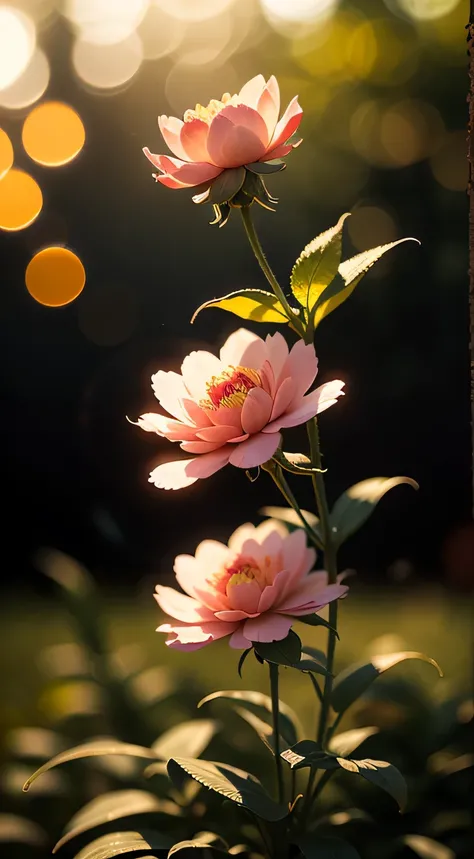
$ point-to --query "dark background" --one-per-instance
(75, 472)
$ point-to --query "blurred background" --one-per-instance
(383, 85)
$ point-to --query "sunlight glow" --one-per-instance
(305, 11)
(30, 86)
(427, 10)
(21, 200)
(55, 276)
(17, 43)
(107, 66)
(53, 134)
(195, 10)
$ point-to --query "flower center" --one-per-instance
(242, 571)
(230, 388)
(207, 114)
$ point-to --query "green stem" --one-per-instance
(264, 265)
(276, 727)
(277, 475)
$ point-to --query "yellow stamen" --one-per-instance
(230, 388)
(207, 114)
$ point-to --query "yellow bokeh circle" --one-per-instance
(55, 276)
(21, 200)
(6, 153)
(53, 134)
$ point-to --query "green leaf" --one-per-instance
(19, 830)
(261, 704)
(92, 749)
(242, 660)
(254, 304)
(351, 683)
(426, 848)
(114, 806)
(350, 273)
(317, 266)
(273, 166)
(308, 753)
(234, 784)
(117, 843)
(311, 665)
(356, 504)
(315, 653)
(287, 514)
(202, 840)
(315, 846)
(296, 463)
(189, 739)
(227, 184)
(316, 620)
(347, 742)
(284, 652)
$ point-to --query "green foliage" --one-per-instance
(284, 652)
(118, 843)
(189, 739)
(261, 704)
(256, 305)
(351, 683)
(347, 742)
(356, 504)
(288, 515)
(232, 783)
(317, 266)
(314, 846)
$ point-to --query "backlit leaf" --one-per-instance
(287, 514)
(232, 783)
(261, 728)
(356, 504)
(351, 683)
(87, 750)
(188, 739)
(114, 806)
(426, 848)
(261, 704)
(350, 272)
(344, 744)
(117, 843)
(317, 265)
(254, 304)
(284, 652)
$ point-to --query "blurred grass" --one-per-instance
(431, 620)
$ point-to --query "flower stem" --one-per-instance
(277, 475)
(276, 727)
(330, 561)
(264, 265)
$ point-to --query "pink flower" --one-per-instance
(231, 409)
(252, 589)
(238, 130)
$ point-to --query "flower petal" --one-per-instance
(237, 135)
(215, 434)
(273, 593)
(310, 597)
(169, 390)
(166, 427)
(287, 125)
(312, 404)
(244, 597)
(302, 366)
(197, 369)
(267, 627)
(238, 640)
(255, 451)
(196, 172)
(184, 472)
(256, 410)
(285, 394)
(277, 353)
(187, 637)
(170, 128)
(193, 137)
(268, 104)
(240, 535)
(252, 90)
(164, 163)
(181, 607)
(243, 348)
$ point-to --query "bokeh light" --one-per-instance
(205, 41)
(160, 33)
(187, 84)
(107, 66)
(105, 22)
(21, 200)
(298, 10)
(53, 134)
(55, 276)
(30, 86)
(17, 43)
(427, 10)
(6, 153)
(384, 51)
(194, 10)
(410, 131)
(108, 314)
(449, 164)
(370, 226)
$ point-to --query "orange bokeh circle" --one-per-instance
(55, 276)
(53, 134)
(21, 200)
(6, 153)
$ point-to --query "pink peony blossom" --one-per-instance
(238, 130)
(252, 589)
(231, 409)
